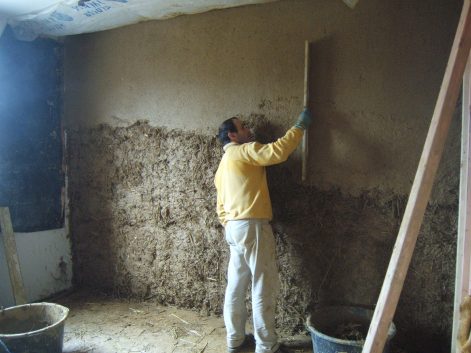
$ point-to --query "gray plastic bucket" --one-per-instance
(324, 323)
(33, 328)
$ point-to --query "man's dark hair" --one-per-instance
(226, 127)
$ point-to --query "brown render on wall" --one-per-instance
(142, 196)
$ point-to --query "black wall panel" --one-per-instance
(31, 175)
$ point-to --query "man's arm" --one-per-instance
(271, 153)
(220, 211)
(277, 152)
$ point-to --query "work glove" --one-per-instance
(304, 119)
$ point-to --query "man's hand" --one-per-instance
(304, 119)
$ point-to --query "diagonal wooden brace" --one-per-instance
(12, 256)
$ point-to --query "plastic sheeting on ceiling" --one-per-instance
(30, 19)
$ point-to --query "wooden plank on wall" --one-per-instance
(421, 188)
(12, 256)
(463, 243)
(305, 142)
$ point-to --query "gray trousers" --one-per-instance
(252, 248)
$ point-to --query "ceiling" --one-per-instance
(55, 18)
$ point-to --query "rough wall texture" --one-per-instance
(143, 218)
(142, 198)
(144, 225)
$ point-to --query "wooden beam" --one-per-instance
(463, 243)
(12, 256)
(305, 142)
(422, 186)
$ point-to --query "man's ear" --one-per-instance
(232, 136)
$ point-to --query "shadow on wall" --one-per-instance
(334, 249)
(349, 151)
(338, 142)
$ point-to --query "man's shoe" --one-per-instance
(249, 341)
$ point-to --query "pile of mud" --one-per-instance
(143, 224)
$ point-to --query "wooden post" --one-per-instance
(305, 142)
(421, 188)
(12, 256)
(463, 243)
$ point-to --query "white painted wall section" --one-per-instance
(45, 262)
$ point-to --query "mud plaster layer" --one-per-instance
(144, 225)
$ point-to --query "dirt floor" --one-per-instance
(100, 324)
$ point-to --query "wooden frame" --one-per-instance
(12, 256)
(305, 142)
(463, 243)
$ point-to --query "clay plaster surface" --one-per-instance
(376, 73)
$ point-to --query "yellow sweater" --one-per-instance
(241, 180)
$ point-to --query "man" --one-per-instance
(244, 209)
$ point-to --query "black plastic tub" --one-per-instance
(326, 325)
(33, 328)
